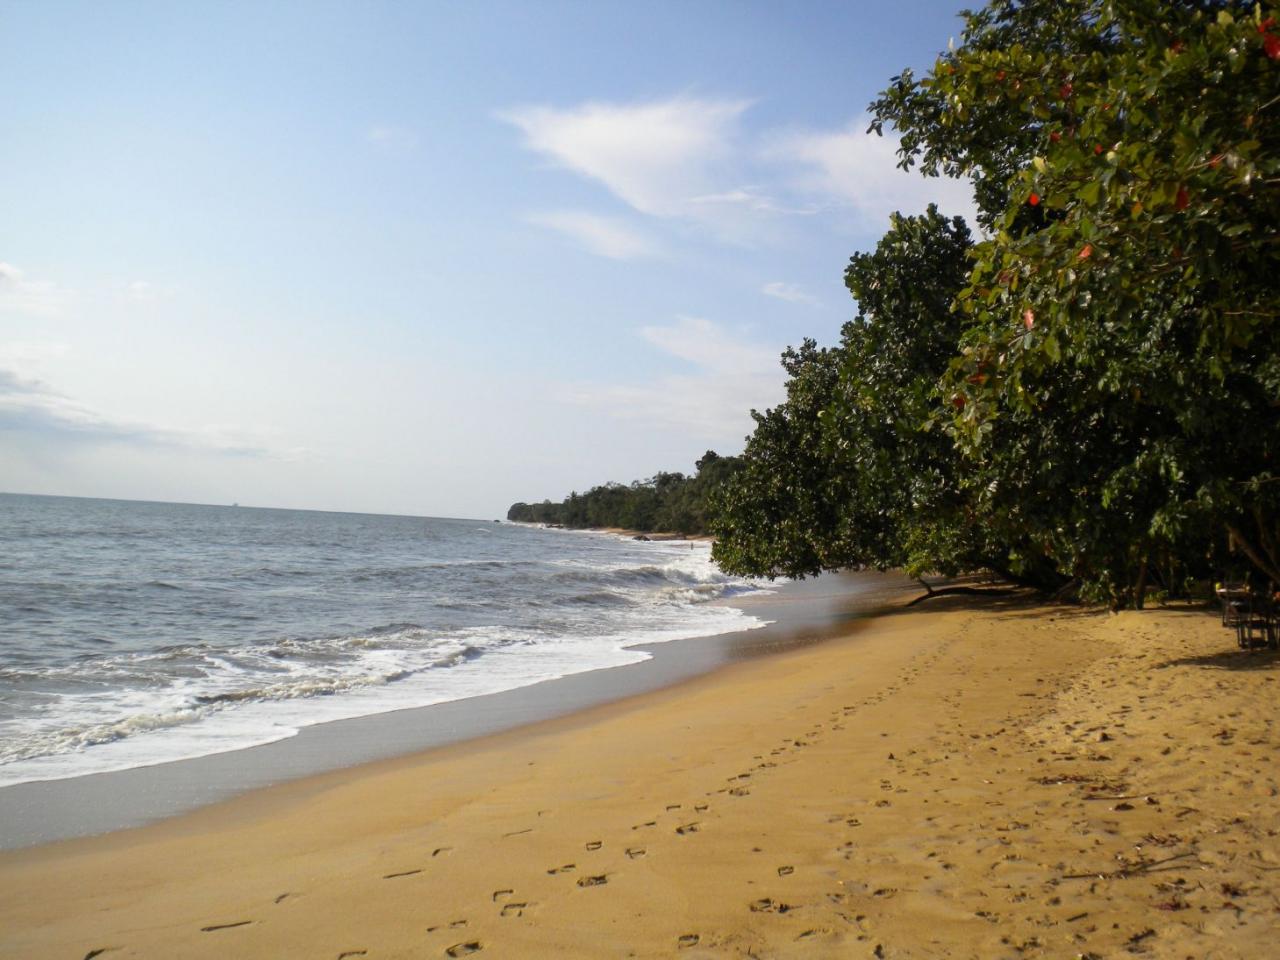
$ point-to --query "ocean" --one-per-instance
(138, 633)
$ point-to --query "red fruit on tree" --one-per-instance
(1055, 136)
(1085, 252)
(1266, 24)
(1000, 76)
(1065, 90)
(1271, 46)
(1097, 149)
(1028, 318)
(1034, 199)
(958, 402)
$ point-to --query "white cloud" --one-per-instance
(690, 159)
(604, 236)
(18, 294)
(392, 138)
(141, 291)
(859, 170)
(790, 292)
(658, 157)
(31, 407)
(731, 377)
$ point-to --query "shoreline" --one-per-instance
(972, 777)
(45, 811)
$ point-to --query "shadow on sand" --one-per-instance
(1234, 659)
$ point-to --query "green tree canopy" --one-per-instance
(1120, 351)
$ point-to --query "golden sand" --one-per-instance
(961, 780)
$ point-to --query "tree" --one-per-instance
(843, 474)
(1117, 385)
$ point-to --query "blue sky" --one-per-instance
(422, 257)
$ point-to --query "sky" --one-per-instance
(426, 258)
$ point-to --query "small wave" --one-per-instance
(600, 598)
(73, 739)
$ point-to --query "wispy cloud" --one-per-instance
(144, 291)
(690, 159)
(391, 138)
(22, 295)
(859, 170)
(604, 236)
(730, 377)
(661, 157)
(30, 406)
(790, 292)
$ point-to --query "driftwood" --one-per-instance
(1147, 866)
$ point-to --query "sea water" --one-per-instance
(138, 633)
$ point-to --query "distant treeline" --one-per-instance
(670, 502)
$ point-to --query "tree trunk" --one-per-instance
(1258, 559)
(1140, 588)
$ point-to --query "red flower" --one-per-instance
(1266, 24)
(1028, 318)
(1065, 90)
(1055, 136)
(1271, 46)
(958, 402)
(1097, 149)
(1034, 199)
(1181, 201)
(1085, 252)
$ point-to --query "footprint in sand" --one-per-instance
(501, 893)
(688, 940)
(564, 869)
(352, 953)
(439, 850)
(786, 871)
(225, 926)
(513, 909)
(463, 949)
(596, 881)
(688, 828)
(768, 905)
(635, 853)
(98, 952)
(595, 844)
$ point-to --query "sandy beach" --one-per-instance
(969, 778)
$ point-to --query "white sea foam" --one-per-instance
(556, 615)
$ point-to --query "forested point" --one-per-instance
(667, 502)
(1083, 397)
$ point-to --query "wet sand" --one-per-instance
(798, 614)
(970, 778)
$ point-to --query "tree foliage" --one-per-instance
(670, 502)
(1095, 394)
(843, 474)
